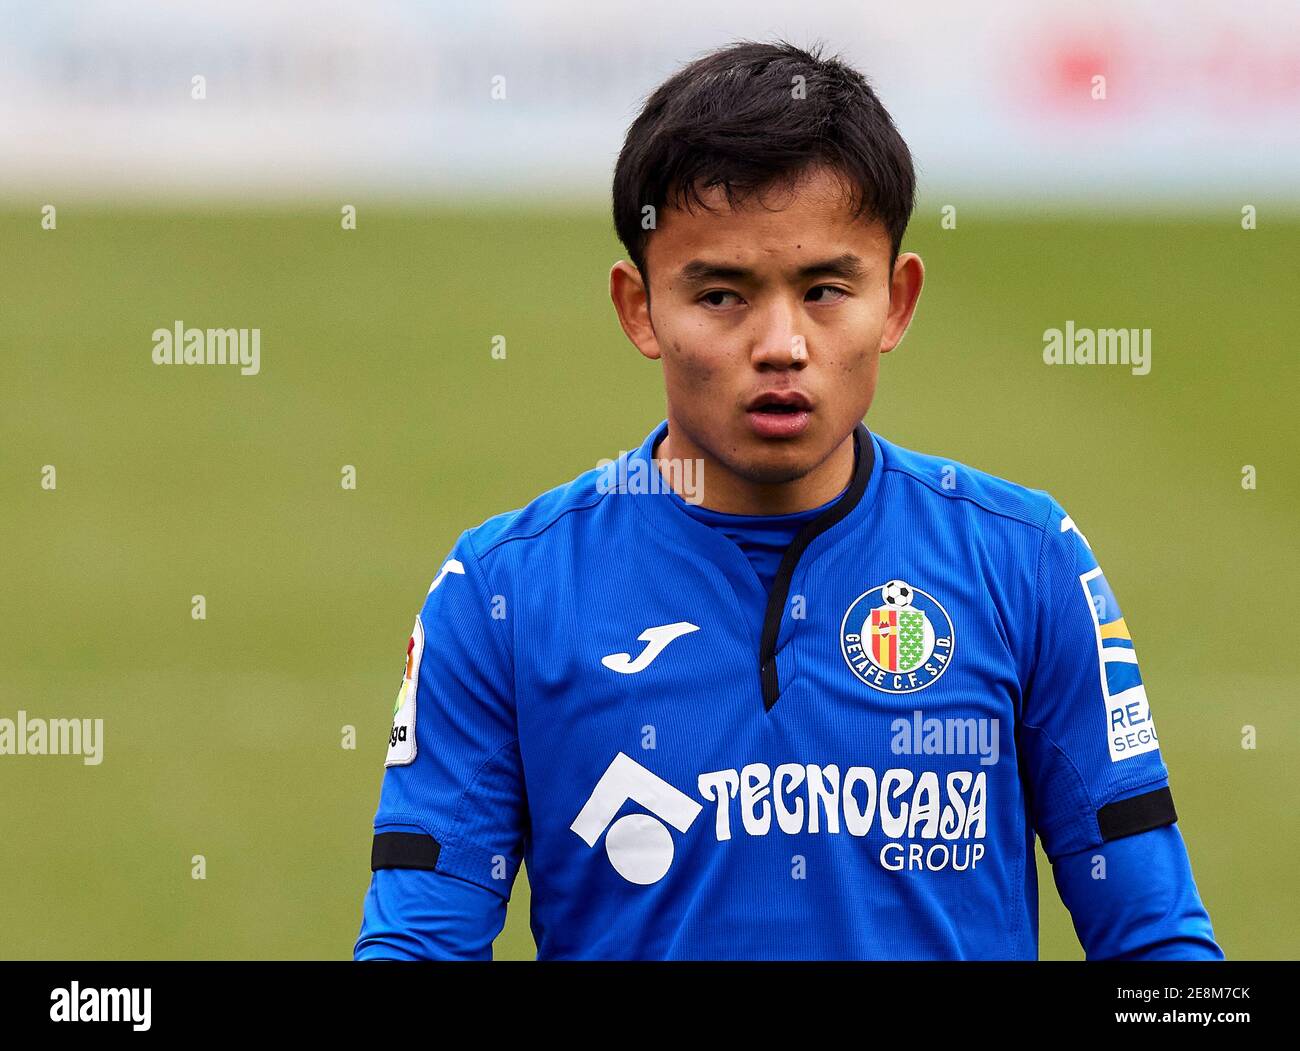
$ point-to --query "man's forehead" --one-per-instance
(803, 222)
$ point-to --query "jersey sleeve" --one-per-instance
(452, 800)
(415, 914)
(1134, 898)
(1090, 752)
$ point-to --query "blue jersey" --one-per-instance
(852, 763)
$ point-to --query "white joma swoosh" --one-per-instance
(452, 565)
(656, 639)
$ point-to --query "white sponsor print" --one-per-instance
(930, 825)
(639, 847)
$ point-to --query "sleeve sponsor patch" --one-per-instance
(401, 740)
(1130, 730)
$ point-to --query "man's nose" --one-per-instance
(780, 342)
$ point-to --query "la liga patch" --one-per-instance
(401, 739)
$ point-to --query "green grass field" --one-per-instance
(222, 737)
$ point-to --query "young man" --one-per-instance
(817, 707)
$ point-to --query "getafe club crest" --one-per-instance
(897, 638)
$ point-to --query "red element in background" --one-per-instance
(1060, 64)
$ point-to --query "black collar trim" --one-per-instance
(776, 599)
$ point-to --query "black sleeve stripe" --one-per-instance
(404, 850)
(1127, 817)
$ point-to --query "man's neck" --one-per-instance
(724, 490)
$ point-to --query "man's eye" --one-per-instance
(717, 297)
(839, 293)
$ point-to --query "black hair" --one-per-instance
(752, 115)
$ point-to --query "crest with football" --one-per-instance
(903, 639)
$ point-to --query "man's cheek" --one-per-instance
(853, 360)
(694, 365)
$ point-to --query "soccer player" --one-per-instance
(771, 686)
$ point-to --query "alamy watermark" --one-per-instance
(952, 736)
(24, 736)
(1098, 346)
(641, 477)
(179, 345)
(75, 1004)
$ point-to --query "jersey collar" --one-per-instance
(718, 553)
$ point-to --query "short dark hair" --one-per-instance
(732, 119)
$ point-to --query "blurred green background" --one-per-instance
(222, 737)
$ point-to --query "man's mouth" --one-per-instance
(780, 403)
(779, 414)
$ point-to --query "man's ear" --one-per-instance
(632, 304)
(904, 291)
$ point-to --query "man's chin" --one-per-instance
(776, 461)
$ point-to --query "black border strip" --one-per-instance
(776, 599)
(1128, 817)
(404, 850)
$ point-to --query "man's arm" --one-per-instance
(452, 817)
(413, 914)
(1135, 899)
(1097, 784)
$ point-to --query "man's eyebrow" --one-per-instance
(847, 265)
(698, 270)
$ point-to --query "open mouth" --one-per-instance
(781, 403)
(779, 414)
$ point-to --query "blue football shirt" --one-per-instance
(763, 539)
(852, 763)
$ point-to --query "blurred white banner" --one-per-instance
(997, 99)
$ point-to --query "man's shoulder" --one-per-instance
(536, 521)
(995, 499)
